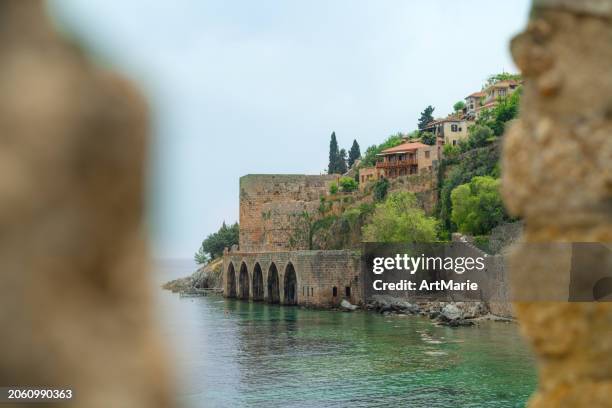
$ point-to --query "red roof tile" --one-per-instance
(404, 147)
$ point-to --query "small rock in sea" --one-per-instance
(346, 305)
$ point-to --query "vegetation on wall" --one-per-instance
(212, 247)
(348, 184)
(379, 190)
(478, 136)
(477, 206)
(476, 162)
(399, 219)
(506, 109)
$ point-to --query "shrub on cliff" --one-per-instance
(476, 162)
(348, 184)
(477, 206)
(428, 138)
(399, 219)
(379, 191)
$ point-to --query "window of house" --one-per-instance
(311, 291)
(335, 291)
(454, 142)
(454, 128)
(347, 291)
(427, 154)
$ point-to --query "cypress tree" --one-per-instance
(354, 153)
(342, 162)
(334, 155)
(426, 117)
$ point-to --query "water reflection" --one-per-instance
(236, 353)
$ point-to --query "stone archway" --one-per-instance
(243, 281)
(230, 284)
(273, 285)
(258, 287)
(290, 285)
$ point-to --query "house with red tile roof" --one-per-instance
(405, 159)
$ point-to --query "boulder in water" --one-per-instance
(346, 305)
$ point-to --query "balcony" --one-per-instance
(396, 164)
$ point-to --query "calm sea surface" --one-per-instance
(232, 353)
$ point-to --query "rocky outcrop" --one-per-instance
(557, 175)
(346, 305)
(75, 307)
(209, 276)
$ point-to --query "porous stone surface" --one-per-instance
(317, 274)
(557, 166)
(273, 209)
(75, 305)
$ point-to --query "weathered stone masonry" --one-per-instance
(271, 204)
(270, 263)
(310, 278)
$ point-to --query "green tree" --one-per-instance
(379, 191)
(477, 206)
(354, 153)
(201, 257)
(428, 138)
(212, 247)
(450, 152)
(348, 184)
(426, 117)
(506, 109)
(504, 76)
(479, 136)
(476, 162)
(334, 155)
(399, 219)
(342, 159)
(459, 106)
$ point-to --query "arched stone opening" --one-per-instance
(244, 281)
(258, 287)
(290, 285)
(230, 284)
(273, 285)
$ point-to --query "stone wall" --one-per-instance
(272, 209)
(423, 185)
(317, 273)
(557, 175)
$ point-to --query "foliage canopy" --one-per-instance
(212, 247)
(399, 219)
(477, 206)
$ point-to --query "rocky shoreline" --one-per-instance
(453, 314)
(208, 276)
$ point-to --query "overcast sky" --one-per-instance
(257, 86)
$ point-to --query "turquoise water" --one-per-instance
(237, 354)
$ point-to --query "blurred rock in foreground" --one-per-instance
(75, 306)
